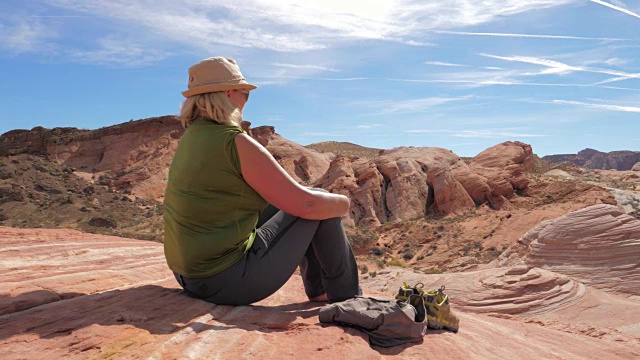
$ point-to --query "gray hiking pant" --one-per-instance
(283, 242)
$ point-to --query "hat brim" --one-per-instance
(203, 89)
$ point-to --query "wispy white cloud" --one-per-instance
(58, 16)
(486, 134)
(413, 105)
(614, 61)
(295, 25)
(530, 36)
(420, 15)
(20, 36)
(559, 68)
(369, 126)
(618, 8)
(609, 107)
(440, 63)
(554, 67)
(615, 79)
(307, 67)
(121, 52)
(268, 83)
(467, 82)
(414, 42)
(608, 101)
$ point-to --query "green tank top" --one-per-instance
(210, 212)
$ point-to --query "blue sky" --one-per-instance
(561, 75)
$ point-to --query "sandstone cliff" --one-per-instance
(134, 155)
(594, 159)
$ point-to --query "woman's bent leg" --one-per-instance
(281, 244)
(339, 270)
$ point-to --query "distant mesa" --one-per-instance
(594, 159)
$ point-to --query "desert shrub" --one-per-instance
(361, 234)
(493, 251)
(396, 262)
(364, 269)
(433, 271)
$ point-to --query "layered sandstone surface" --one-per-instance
(78, 296)
(527, 293)
(598, 245)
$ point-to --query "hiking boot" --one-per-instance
(405, 291)
(439, 314)
(436, 302)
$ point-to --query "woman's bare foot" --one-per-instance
(320, 298)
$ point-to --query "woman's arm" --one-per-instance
(261, 171)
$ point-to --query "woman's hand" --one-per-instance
(263, 173)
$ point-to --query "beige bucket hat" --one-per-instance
(215, 74)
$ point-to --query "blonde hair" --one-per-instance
(214, 106)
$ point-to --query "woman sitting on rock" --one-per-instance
(221, 240)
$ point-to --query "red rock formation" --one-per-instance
(594, 159)
(133, 155)
(69, 295)
(304, 165)
(405, 183)
(400, 184)
(598, 245)
(527, 292)
(504, 166)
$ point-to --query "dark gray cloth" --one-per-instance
(283, 242)
(387, 322)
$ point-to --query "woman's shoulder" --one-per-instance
(212, 126)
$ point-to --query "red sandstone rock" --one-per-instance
(527, 292)
(406, 183)
(594, 159)
(599, 245)
(77, 296)
(506, 154)
(504, 166)
(401, 184)
(302, 164)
